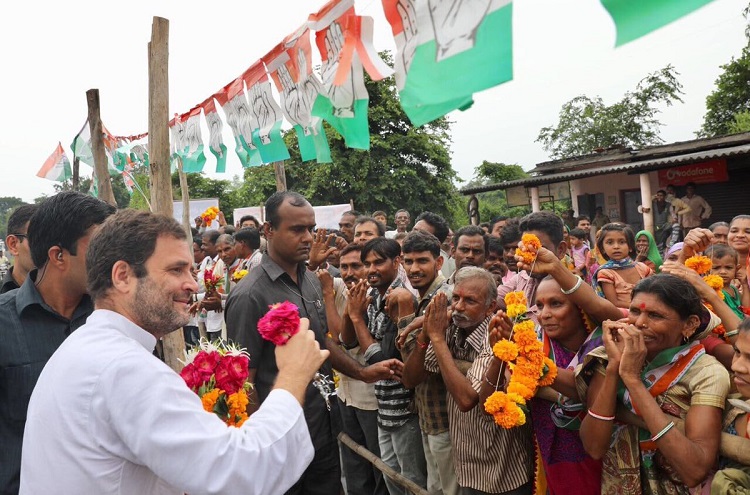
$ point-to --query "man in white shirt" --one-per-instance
(107, 417)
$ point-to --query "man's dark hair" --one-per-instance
(417, 241)
(19, 217)
(274, 202)
(495, 245)
(543, 221)
(385, 248)
(130, 236)
(437, 222)
(248, 236)
(661, 191)
(353, 213)
(363, 219)
(351, 247)
(379, 212)
(245, 218)
(470, 231)
(511, 232)
(63, 220)
(582, 217)
(495, 220)
(211, 236)
(229, 229)
(194, 232)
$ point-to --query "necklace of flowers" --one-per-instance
(702, 266)
(522, 353)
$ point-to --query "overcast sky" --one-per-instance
(52, 53)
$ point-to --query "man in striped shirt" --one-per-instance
(487, 458)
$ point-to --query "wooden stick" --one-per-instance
(158, 148)
(103, 182)
(280, 173)
(376, 461)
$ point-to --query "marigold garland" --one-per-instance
(531, 244)
(239, 275)
(699, 264)
(528, 365)
(209, 215)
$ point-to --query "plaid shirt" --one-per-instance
(430, 395)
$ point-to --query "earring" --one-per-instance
(685, 339)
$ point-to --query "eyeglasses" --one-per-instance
(20, 236)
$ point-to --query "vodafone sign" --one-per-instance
(700, 173)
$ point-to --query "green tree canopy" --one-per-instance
(493, 204)
(406, 167)
(730, 97)
(587, 124)
(7, 205)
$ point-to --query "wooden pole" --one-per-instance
(104, 183)
(158, 148)
(76, 172)
(280, 173)
(185, 202)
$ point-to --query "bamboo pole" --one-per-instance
(280, 174)
(376, 461)
(103, 182)
(158, 147)
(76, 172)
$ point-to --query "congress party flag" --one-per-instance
(234, 103)
(290, 66)
(447, 50)
(267, 115)
(344, 41)
(187, 142)
(81, 147)
(56, 167)
(634, 19)
(215, 139)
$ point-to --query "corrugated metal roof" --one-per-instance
(631, 167)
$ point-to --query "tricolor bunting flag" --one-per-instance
(237, 111)
(290, 66)
(215, 138)
(344, 41)
(81, 147)
(447, 50)
(267, 115)
(187, 140)
(56, 167)
(636, 18)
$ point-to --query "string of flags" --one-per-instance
(446, 50)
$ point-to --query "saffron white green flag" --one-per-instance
(187, 142)
(267, 116)
(447, 50)
(232, 99)
(290, 66)
(81, 147)
(215, 138)
(56, 167)
(344, 41)
(634, 19)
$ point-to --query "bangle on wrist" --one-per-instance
(600, 417)
(663, 432)
(495, 385)
(574, 288)
(732, 333)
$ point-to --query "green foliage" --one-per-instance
(493, 204)
(200, 186)
(587, 124)
(730, 97)
(122, 196)
(741, 123)
(406, 167)
(7, 205)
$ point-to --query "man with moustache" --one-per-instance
(510, 238)
(107, 417)
(495, 260)
(487, 458)
(366, 229)
(402, 221)
(346, 224)
(469, 248)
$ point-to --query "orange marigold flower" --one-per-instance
(527, 343)
(531, 242)
(505, 350)
(549, 377)
(517, 387)
(209, 399)
(537, 357)
(515, 297)
(699, 264)
(527, 367)
(510, 417)
(516, 398)
(515, 310)
(495, 402)
(237, 403)
(525, 380)
(527, 257)
(714, 281)
(524, 326)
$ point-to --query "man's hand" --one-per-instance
(399, 302)
(198, 221)
(298, 360)
(436, 317)
(389, 369)
(320, 249)
(545, 263)
(222, 220)
(212, 302)
(415, 324)
(499, 328)
(356, 304)
(326, 281)
(696, 241)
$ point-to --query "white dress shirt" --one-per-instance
(107, 417)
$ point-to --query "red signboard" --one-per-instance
(700, 173)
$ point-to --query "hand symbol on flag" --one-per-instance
(455, 23)
(215, 128)
(342, 97)
(408, 16)
(263, 111)
(296, 104)
(244, 118)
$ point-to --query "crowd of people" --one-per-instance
(407, 318)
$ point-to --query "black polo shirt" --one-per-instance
(30, 332)
(265, 285)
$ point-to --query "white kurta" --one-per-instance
(107, 417)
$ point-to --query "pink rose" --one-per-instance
(205, 363)
(191, 376)
(224, 378)
(280, 323)
(238, 367)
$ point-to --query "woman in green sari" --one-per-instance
(653, 365)
(647, 251)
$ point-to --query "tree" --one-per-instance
(730, 97)
(200, 186)
(406, 167)
(122, 195)
(7, 205)
(493, 204)
(587, 124)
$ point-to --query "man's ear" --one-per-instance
(562, 249)
(267, 230)
(11, 242)
(439, 262)
(123, 277)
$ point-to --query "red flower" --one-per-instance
(191, 376)
(238, 367)
(280, 323)
(224, 379)
(205, 363)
